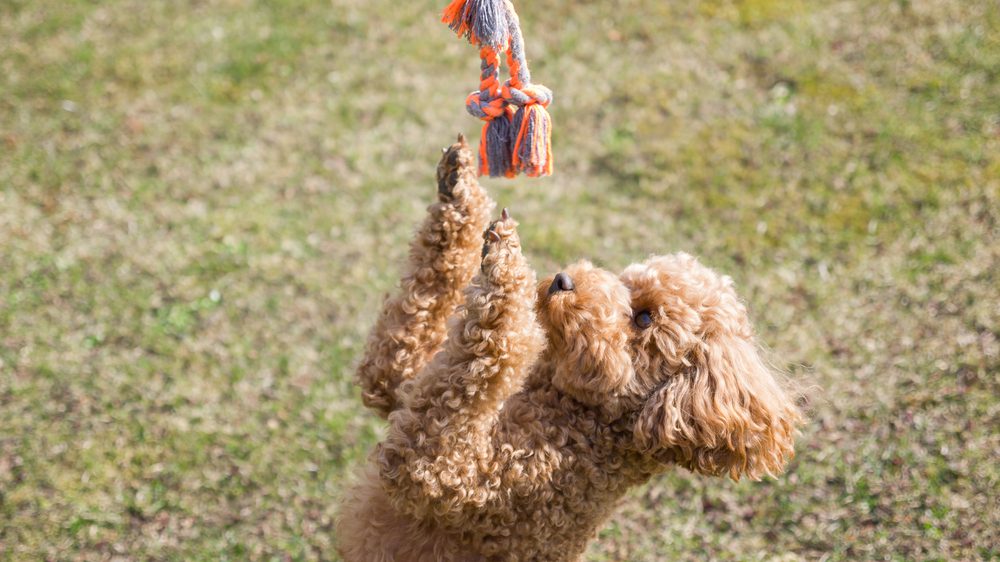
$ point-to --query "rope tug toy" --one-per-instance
(517, 133)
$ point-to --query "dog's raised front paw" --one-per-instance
(456, 160)
(501, 246)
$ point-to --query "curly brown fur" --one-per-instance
(443, 258)
(548, 401)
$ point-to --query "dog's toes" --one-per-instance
(500, 241)
(454, 159)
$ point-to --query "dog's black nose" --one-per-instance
(562, 282)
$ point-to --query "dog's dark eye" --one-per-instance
(643, 319)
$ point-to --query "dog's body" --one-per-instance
(550, 513)
(513, 437)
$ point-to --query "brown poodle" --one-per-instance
(514, 430)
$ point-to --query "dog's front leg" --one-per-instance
(444, 256)
(440, 459)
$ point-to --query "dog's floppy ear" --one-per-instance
(723, 414)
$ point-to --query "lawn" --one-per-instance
(203, 203)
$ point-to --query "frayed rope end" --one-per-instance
(495, 147)
(532, 141)
(482, 22)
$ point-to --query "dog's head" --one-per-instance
(668, 344)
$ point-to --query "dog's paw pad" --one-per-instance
(454, 160)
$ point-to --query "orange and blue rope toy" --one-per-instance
(517, 133)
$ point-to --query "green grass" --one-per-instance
(202, 204)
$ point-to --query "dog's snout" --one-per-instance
(562, 282)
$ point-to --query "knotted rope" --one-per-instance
(517, 133)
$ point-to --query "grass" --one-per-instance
(202, 203)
